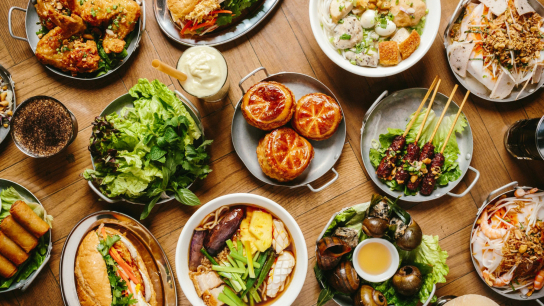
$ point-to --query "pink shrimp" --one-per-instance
(491, 233)
(539, 280)
(500, 281)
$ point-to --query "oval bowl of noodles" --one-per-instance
(380, 41)
(507, 242)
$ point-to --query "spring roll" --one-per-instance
(18, 234)
(11, 250)
(27, 218)
(7, 269)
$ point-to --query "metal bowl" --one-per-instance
(231, 32)
(32, 25)
(469, 82)
(30, 100)
(245, 137)
(24, 284)
(510, 189)
(392, 112)
(127, 100)
(6, 77)
(147, 245)
(344, 300)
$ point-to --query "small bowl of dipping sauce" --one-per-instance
(207, 73)
(375, 260)
(42, 126)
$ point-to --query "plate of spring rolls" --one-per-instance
(25, 236)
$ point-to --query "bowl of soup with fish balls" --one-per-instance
(375, 38)
(241, 249)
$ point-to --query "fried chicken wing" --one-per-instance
(68, 52)
(119, 16)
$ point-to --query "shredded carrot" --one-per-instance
(124, 265)
(221, 12)
(209, 23)
(125, 278)
(104, 233)
(186, 26)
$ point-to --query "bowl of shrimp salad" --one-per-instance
(375, 38)
(507, 243)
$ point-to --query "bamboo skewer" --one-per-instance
(443, 113)
(171, 71)
(427, 112)
(454, 122)
(419, 108)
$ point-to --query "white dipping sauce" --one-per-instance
(206, 71)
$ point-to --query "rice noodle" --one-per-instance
(212, 219)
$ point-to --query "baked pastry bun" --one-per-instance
(284, 155)
(317, 116)
(268, 105)
(93, 276)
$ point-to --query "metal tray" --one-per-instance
(6, 77)
(24, 284)
(392, 112)
(153, 255)
(510, 188)
(127, 100)
(256, 15)
(469, 82)
(245, 137)
(343, 300)
(32, 26)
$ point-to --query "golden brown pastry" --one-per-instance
(317, 116)
(284, 155)
(268, 105)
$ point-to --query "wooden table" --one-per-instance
(284, 42)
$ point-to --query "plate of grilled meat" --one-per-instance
(417, 144)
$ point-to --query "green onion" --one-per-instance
(240, 247)
(225, 299)
(227, 269)
(232, 261)
(244, 260)
(249, 261)
(262, 261)
(210, 258)
(231, 295)
(267, 266)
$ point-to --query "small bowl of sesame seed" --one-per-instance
(42, 126)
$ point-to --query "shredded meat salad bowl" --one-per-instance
(375, 38)
(495, 47)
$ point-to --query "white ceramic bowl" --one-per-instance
(184, 242)
(427, 38)
(385, 275)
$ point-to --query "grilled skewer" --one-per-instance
(387, 164)
(429, 181)
(427, 152)
(412, 152)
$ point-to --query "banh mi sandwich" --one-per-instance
(110, 271)
(196, 16)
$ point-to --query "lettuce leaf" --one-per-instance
(350, 216)
(148, 150)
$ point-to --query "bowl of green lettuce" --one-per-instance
(148, 147)
(428, 257)
(11, 192)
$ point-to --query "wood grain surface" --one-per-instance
(283, 42)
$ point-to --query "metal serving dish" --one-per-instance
(153, 255)
(72, 117)
(24, 284)
(510, 189)
(6, 77)
(257, 13)
(344, 300)
(126, 100)
(245, 137)
(469, 82)
(392, 112)
(32, 26)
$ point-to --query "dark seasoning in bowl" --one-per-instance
(42, 127)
